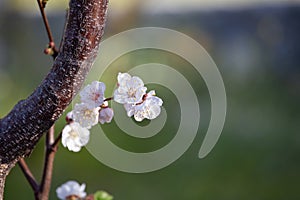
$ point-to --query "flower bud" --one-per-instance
(106, 115)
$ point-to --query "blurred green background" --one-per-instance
(256, 48)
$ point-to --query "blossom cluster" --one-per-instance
(94, 109)
(90, 111)
(132, 93)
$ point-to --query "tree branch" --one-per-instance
(29, 119)
(48, 166)
(41, 192)
(56, 141)
(28, 175)
(47, 27)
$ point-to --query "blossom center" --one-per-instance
(73, 134)
(87, 113)
(131, 92)
(95, 96)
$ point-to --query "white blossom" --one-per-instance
(150, 108)
(74, 136)
(70, 188)
(85, 116)
(106, 115)
(130, 89)
(130, 109)
(93, 94)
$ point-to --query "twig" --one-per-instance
(108, 99)
(51, 46)
(41, 192)
(27, 173)
(48, 166)
(55, 143)
(50, 137)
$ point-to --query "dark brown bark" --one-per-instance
(30, 118)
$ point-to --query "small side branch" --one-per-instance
(41, 192)
(55, 143)
(48, 166)
(51, 46)
(27, 173)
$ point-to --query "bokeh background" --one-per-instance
(255, 45)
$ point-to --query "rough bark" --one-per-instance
(30, 118)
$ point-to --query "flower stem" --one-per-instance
(108, 99)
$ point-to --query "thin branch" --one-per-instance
(42, 192)
(108, 99)
(27, 173)
(56, 142)
(50, 137)
(41, 7)
(48, 166)
(47, 26)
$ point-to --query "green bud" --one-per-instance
(102, 195)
